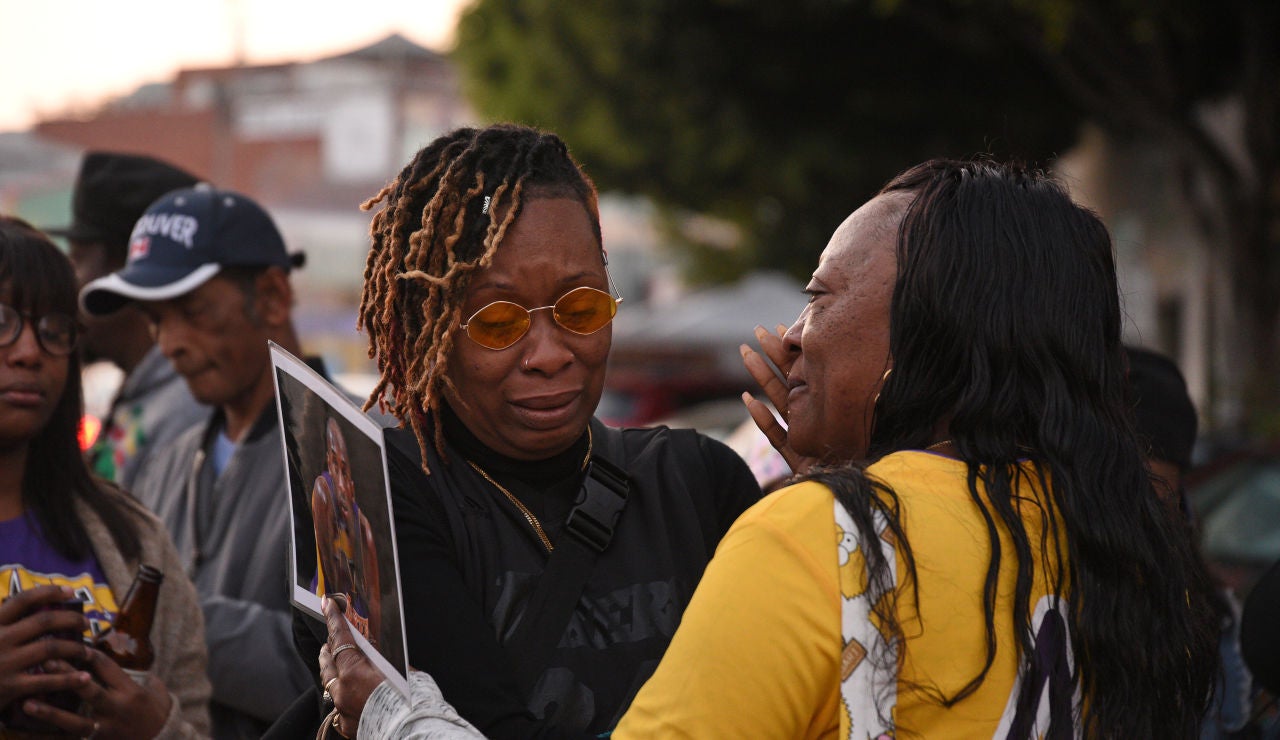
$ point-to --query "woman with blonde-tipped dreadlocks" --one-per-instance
(545, 558)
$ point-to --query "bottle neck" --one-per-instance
(137, 611)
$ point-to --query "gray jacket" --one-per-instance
(152, 407)
(233, 536)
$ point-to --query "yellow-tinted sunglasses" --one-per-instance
(502, 323)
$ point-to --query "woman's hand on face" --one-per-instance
(770, 370)
(118, 706)
(346, 674)
(27, 655)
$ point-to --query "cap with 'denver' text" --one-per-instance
(184, 239)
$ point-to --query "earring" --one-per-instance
(883, 378)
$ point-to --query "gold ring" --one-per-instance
(344, 646)
(329, 683)
(337, 726)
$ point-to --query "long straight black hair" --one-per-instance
(40, 280)
(1005, 324)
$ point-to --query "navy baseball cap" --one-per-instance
(184, 239)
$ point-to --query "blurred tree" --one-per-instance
(781, 117)
(1197, 78)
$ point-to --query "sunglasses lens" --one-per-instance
(585, 310)
(498, 325)
(57, 333)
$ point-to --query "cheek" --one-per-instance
(237, 364)
(843, 362)
(593, 357)
(477, 376)
(595, 351)
(471, 365)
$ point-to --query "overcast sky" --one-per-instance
(57, 55)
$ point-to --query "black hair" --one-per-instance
(445, 215)
(40, 279)
(1005, 326)
(1165, 416)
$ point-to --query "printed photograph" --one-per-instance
(343, 537)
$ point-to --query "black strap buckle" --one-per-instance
(603, 496)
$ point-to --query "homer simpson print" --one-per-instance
(867, 705)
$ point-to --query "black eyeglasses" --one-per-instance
(55, 332)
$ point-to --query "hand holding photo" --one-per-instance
(343, 535)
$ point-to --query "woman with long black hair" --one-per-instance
(1029, 581)
(1001, 566)
(67, 537)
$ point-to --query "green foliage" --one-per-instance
(779, 117)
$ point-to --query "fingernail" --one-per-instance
(324, 603)
(760, 332)
(747, 398)
(781, 329)
(744, 350)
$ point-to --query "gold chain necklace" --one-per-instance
(937, 445)
(524, 510)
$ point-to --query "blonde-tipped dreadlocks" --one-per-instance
(444, 216)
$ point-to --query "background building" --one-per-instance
(309, 140)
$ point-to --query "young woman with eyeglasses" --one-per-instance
(69, 539)
(488, 305)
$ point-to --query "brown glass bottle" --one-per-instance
(128, 640)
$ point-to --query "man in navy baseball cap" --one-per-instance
(210, 271)
(185, 238)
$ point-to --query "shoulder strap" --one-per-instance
(590, 526)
